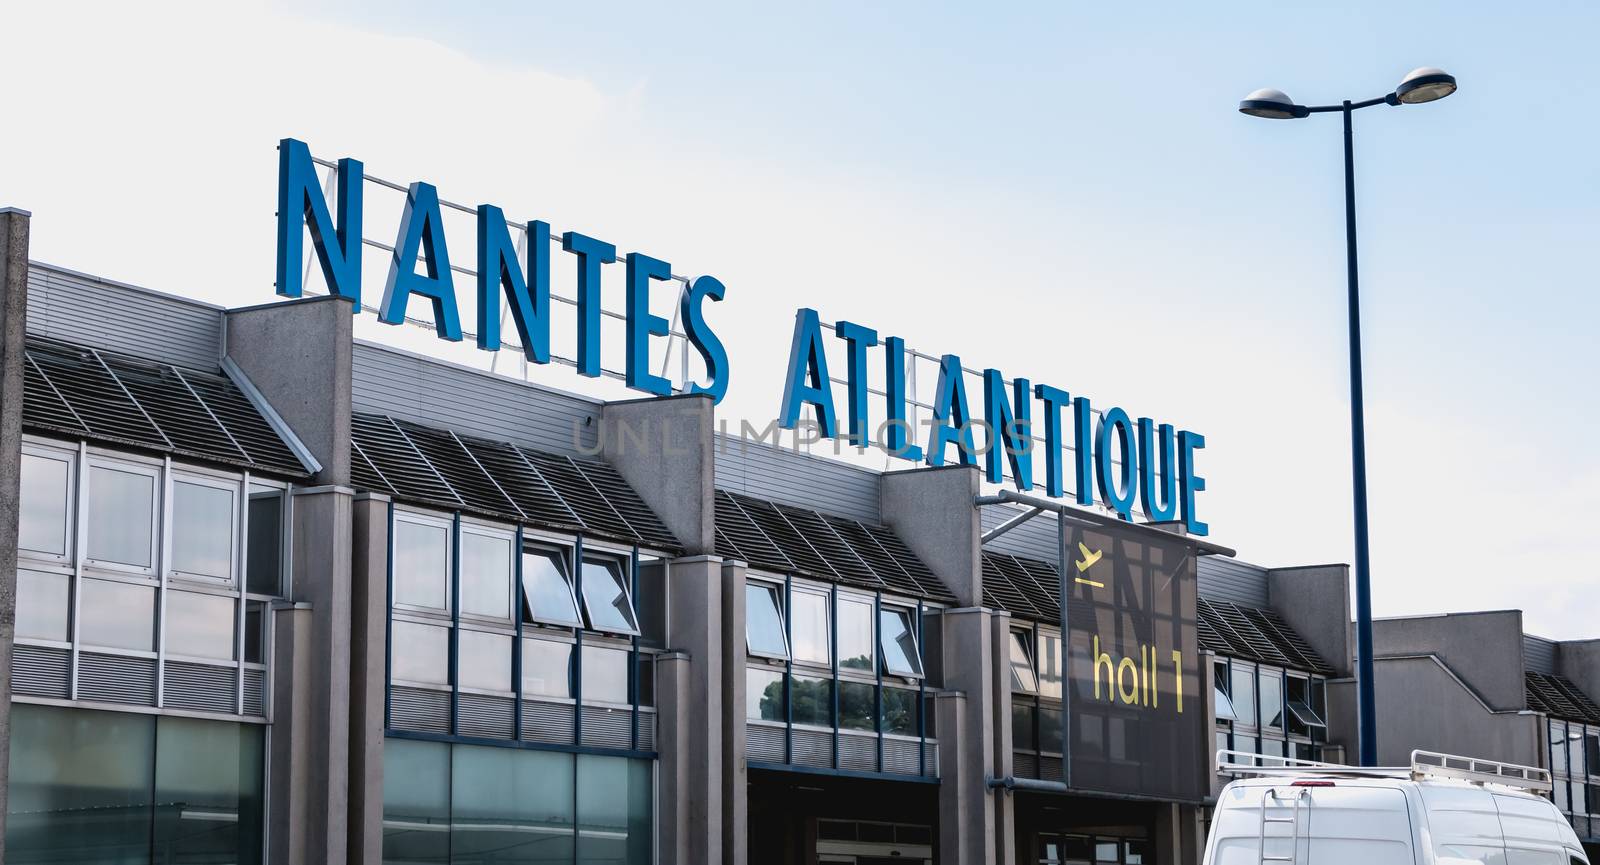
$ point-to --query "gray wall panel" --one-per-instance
(473, 402)
(122, 318)
(1034, 539)
(781, 475)
(1232, 580)
(1539, 654)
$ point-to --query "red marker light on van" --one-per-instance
(1312, 784)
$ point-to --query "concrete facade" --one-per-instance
(14, 227)
(1315, 601)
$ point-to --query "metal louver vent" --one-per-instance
(200, 687)
(1254, 634)
(419, 710)
(1003, 592)
(116, 679)
(1558, 697)
(484, 716)
(82, 392)
(41, 671)
(547, 722)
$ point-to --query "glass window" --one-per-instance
(1558, 747)
(202, 530)
(546, 668)
(547, 589)
(605, 597)
(1049, 729)
(857, 705)
(43, 605)
(1105, 850)
(264, 554)
(419, 653)
(763, 621)
(1273, 748)
(615, 797)
(421, 564)
(855, 634)
(1023, 734)
(812, 701)
(899, 642)
(121, 516)
(486, 573)
(1022, 678)
(416, 801)
(1244, 694)
(1222, 742)
(1049, 664)
(255, 633)
(208, 791)
(1219, 686)
(510, 806)
(809, 623)
(1137, 852)
(605, 674)
(1591, 743)
(1271, 699)
(763, 694)
(200, 626)
(46, 492)
(646, 679)
(117, 615)
(483, 660)
(1302, 719)
(900, 711)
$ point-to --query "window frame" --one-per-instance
(68, 556)
(499, 532)
(860, 674)
(887, 607)
(536, 543)
(1022, 638)
(430, 519)
(1225, 692)
(775, 592)
(200, 478)
(214, 591)
(624, 564)
(154, 470)
(596, 643)
(557, 638)
(823, 593)
(398, 617)
(1042, 634)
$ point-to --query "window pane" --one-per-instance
(484, 660)
(1297, 693)
(1049, 729)
(121, 510)
(1244, 695)
(546, 669)
(763, 694)
(605, 674)
(645, 679)
(264, 555)
(202, 530)
(1022, 678)
(1222, 743)
(614, 810)
(900, 711)
(1049, 661)
(1592, 748)
(547, 593)
(809, 621)
(899, 642)
(486, 575)
(81, 785)
(1272, 700)
(255, 634)
(421, 564)
(1023, 735)
(855, 635)
(1558, 747)
(605, 596)
(1220, 685)
(43, 525)
(510, 807)
(763, 623)
(117, 615)
(200, 626)
(43, 602)
(812, 701)
(208, 791)
(857, 706)
(419, 653)
(416, 801)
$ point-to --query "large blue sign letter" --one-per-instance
(1155, 444)
(529, 299)
(897, 433)
(858, 339)
(808, 376)
(1054, 399)
(642, 324)
(692, 311)
(301, 204)
(952, 421)
(1011, 434)
(591, 254)
(420, 227)
(1190, 482)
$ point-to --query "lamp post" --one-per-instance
(1426, 84)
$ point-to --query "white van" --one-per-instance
(1441, 810)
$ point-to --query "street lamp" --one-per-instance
(1426, 84)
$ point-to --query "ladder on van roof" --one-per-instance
(1425, 765)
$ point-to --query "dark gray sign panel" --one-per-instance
(1136, 715)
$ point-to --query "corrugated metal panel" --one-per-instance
(419, 709)
(41, 671)
(1034, 539)
(484, 716)
(607, 728)
(425, 391)
(763, 743)
(201, 687)
(547, 722)
(1232, 581)
(790, 478)
(1539, 654)
(85, 309)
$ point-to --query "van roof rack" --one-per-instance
(1425, 765)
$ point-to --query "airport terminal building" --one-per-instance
(283, 595)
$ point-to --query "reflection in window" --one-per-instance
(810, 626)
(605, 674)
(43, 602)
(1220, 684)
(1272, 700)
(605, 597)
(899, 642)
(419, 653)
(255, 634)
(200, 626)
(1022, 678)
(1244, 695)
(900, 711)
(547, 588)
(208, 791)
(117, 615)
(1049, 730)
(763, 694)
(202, 530)
(485, 569)
(121, 513)
(510, 806)
(483, 660)
(1049, 660)
(546, 669)
(416, 801)
(614, 808)
(264, 553)
(856, 705)
(812, 701)
(1302, 719)
(1022, 726)
(763, 621)
(855, 634)
(45, 493)
(421, 564)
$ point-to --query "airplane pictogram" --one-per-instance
(1087, 562)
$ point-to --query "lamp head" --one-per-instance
(1425, 84)
(1271, 104)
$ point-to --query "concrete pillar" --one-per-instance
(1178, 839)
(964, 806)
(369, 597)
(1005, 812)
(933, 511)
(298, 354)
(964, 779)
(311, 745)
(1315, 601)
(691, 714)
(13, 327)
(735, 780)
(663, 448)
